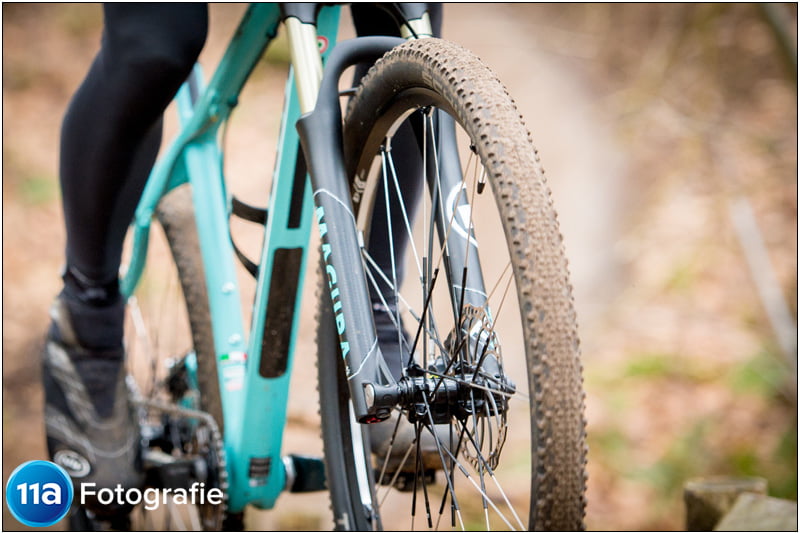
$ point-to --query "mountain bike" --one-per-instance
(469, 413)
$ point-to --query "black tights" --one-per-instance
(112, 131)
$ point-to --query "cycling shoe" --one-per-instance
(92, 431)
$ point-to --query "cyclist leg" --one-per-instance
(112, 129)
(110, 137)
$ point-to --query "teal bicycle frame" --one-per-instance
(256, 472)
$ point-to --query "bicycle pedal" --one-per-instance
(304, 473)
(404, 481)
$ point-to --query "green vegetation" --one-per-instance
(764, 374)
(38, 189)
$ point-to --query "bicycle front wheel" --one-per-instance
(484, 310)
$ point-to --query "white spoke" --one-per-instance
(467, 475)
(432, 335)
(450, 377)
(378, 270)
(417, 261)
(391, 244)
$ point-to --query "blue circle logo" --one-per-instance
(39, 493)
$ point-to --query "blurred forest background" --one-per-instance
(669, 135)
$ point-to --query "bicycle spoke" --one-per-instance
(388, 454)
(402, 203)
(466, 474)
(408, 308)
(421, 476)
(391, 242)
(482, 466)
(451, 477)
(386, 308)
(425, 310)
(472, 384)
(397, 472)
(490, 471)
(431, 334)
(448, 472)
(378, 270)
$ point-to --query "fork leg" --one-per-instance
(306, 61)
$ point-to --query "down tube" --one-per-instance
(258, 472)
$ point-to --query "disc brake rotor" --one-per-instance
(476, 348)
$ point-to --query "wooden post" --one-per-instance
(708, 499)
(753, 512)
